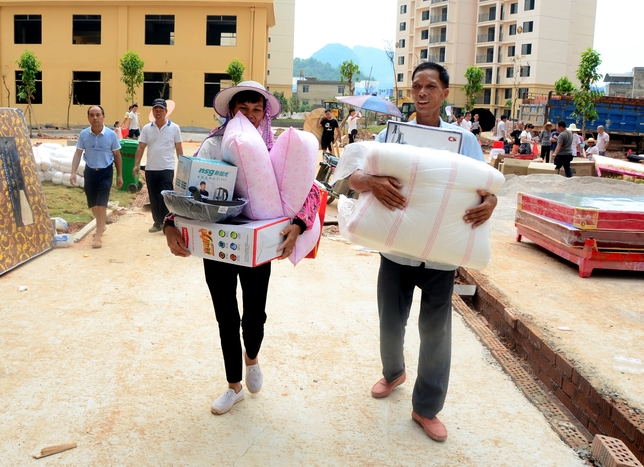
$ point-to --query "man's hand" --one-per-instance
(119, 182)
(175, 242)
(385, 189)
(481, 213)
(72, 179)
(291, 233)
(135, 171)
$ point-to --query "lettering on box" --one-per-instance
(213, 172)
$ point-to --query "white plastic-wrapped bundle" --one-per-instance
(41, 175)
(81, 168)
(57, 178)
(80, 181)
(439, 186)
(66, 177)
(49, 174)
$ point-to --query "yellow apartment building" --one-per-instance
(523, 46)
(186, 45)
(280, 48)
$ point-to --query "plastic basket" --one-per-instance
(213, 211)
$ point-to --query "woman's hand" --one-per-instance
(175, 242)
(291, 233)
(481, 213)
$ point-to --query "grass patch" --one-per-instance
(70, 203)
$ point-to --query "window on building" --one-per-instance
(340, 90)
(514, 8)
(488, 76)
(441, 54)
(511, 50)
(87, 87)
(529, 5)
(399, 77)
(528, 26)
(513, 30)
(269, 56)
(424, 34)
(424, 16)
(159, 30)
(156, 85)
(305, 88)
(403, 26)
(27, 29)
(86, 29)
(526, 49)
(403, 9)
(509, 72)
(212, 85)
(401, 60)
(489, 55)
(221, 30)
(523, 93)
(401, 44)
(508, 93)
(37, 99)
(423, 54)
(487, 96)
(525, 71)
(268, 72)
(305, 102)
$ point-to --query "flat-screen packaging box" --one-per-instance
(215, 179)
(424, 136)
(583, 167)
(542, 168)
(239, 241)
(515, 166)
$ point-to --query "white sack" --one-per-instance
(439, 186)
(49, 174)
(57, 178)
(41, 175)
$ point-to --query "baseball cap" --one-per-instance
(160, 103)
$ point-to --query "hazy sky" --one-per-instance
(372, 22)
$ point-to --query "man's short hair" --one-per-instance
(202, 183)
(443, 76)
(504, 117)
(468, 113)
(459, 116)
(135, 105)
(91, 106)
(561, 124)
(352, 110)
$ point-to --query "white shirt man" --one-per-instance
(501, 129)
(466, 124)
(602, 140)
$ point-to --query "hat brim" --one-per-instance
(223, 97)
(170, 109)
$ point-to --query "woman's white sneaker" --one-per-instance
(226, 401)
(254, 378)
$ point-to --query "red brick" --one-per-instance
(606, 406)
(535, 339)
(575, 377)
(606, 427)
(547, 381)
(584, 386)
(564, 398)
(639, 436)
(612, 452)
(554, 374)
(510, 317)
(590, 409)
(620, 417)
(579, 414)
(523, 329)
(568, 387)
(564, 366)
(593, 428)
(548, 353)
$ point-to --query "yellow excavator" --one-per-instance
(407, 108)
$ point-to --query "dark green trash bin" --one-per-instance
(128, 153)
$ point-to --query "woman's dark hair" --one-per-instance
(244, 97)
(443, 76)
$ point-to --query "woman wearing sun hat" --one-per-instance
(259, 106)
(577, 140)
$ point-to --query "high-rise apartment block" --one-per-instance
(523, 46)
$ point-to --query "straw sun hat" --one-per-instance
(223, 97)
(573, 127)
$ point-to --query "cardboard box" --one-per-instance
(515, 166)
(240, 241)
(541, 168)
(424, 136)
(583, 168)
(217, 176)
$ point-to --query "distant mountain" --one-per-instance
(313, 67)
(368, 59)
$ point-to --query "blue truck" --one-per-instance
(621, 117)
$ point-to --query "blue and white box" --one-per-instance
(214, 179)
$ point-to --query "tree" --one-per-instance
(294, 104)
(4, 82)
(474, 76)
(236, 71)
(517, 79)
(70, 97)
(131, 66)
(30, 67)
(585, 97)
(391, 55)
(564, 87)
(349, 71)
(282, 100)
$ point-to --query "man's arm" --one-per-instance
(75, 164)
(179, 148)
(385, 189)
(137, 159)
(118, 163)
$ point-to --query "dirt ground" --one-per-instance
(118, 350)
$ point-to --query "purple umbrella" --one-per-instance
(373, 103)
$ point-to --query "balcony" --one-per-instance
(437, 39)
(437, 19)
(436, 58)
(438, 1)
(487, 17)
(484, 38)
(484, 59)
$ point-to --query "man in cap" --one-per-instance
(162, 137)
